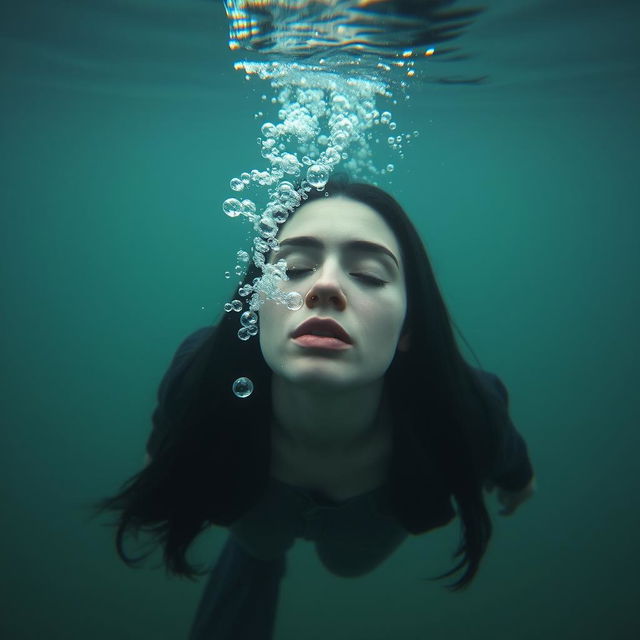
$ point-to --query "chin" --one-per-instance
(319, 380)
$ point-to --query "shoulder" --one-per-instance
(491, 384)
(183, 356)
(194, 340)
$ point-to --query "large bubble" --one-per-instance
(242, 387)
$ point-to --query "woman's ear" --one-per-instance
(404, 342)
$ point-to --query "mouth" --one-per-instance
(311, 341)
(325, 332)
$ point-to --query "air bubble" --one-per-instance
(232, 207)
(269, 130)
(267, 227)
(248, 318)
(332, 155)
(242, 387)
(260, 245)
(324, 121)
(294, 301)
(290, 164)
(317, 176)
(248, 206)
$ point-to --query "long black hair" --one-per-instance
(210, 466)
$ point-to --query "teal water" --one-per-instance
(121, 124)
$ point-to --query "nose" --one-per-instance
(326, 291)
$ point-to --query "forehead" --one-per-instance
(337, 219)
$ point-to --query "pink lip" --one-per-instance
(321, 342)
(322, 325)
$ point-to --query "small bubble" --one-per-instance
(227, 275)
(269, 130)
(232, 207)
(390, 168)
(290, 164)
(332, 155)
(242, 387)
(236, 305)
(392, 125)
(248, 318)
(236, 184)
(248, 206)
(317, 176)
(228, 307)
(260, 245)
(294, 301)
(267, 227)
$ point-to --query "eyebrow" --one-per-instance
(360, 245)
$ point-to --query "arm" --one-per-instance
(511, 500)
(513, 474)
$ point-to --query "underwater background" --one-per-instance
(121, 124)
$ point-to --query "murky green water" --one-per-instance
(121, 125)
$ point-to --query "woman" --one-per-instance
(365, 421)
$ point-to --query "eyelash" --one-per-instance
(370, 280)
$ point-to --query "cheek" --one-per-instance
(273, 318)
(383, 319)
(267, 317)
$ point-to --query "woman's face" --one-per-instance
(339, 277)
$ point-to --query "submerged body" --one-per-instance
(351, 446)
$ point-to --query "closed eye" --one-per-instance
(371, 280)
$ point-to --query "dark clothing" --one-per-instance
(351, 537)
(420, 497)
(240, 599)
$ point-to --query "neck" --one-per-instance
(339, 421)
